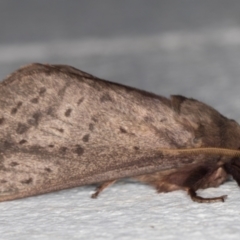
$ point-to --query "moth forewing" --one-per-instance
(61, 128)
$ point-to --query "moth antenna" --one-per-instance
(209, 151)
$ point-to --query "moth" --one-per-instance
(61, 128)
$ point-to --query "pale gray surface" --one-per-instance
(167, 47)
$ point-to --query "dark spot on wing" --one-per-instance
(7, 144)
(94, 119)
(36, 149)
(148, 119)
(85, 138)
(3, 181)
(63, 149)
(122, 130)
(13, 164)
(136, 148)
(27, 181)
(34, 121)
(42, 90)
(48, 169)
(163, 120)
(60, 130)
(15, 109)
(105, 97)
(34, 100)
(68, 112)
(22, 128)
(79, 150)
(80, 101)
(91, 126)
(19, 104)
(22, 141)
(51, 145)
(1, 121)
(50, 111)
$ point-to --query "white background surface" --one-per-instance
(185, 47)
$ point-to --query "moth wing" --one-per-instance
(61, 128)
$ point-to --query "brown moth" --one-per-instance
(61, 128)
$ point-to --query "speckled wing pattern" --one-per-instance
(61, 128)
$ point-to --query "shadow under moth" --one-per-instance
(62, 128)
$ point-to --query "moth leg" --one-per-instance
(192, 193)
(101, 187)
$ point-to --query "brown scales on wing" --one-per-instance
(62, 128)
